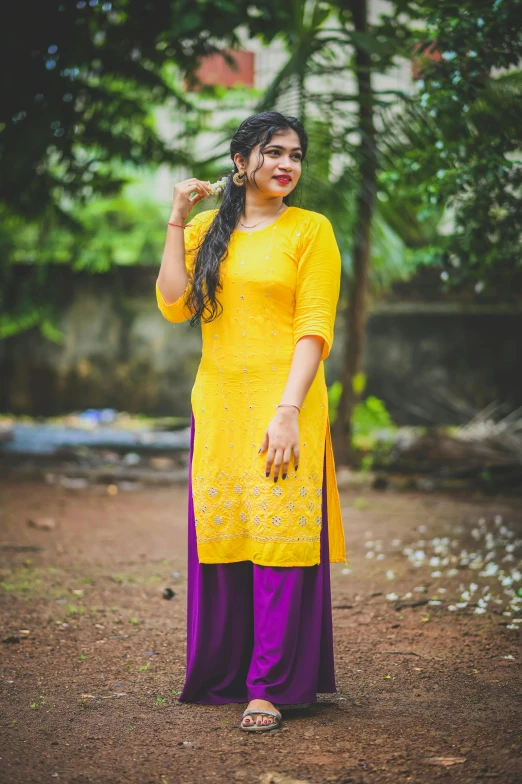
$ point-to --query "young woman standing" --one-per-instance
(262, 278)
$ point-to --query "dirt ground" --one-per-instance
(93, 655)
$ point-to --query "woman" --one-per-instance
(264, 512)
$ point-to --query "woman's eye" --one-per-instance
(296, 155)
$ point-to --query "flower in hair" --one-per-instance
(218, 187)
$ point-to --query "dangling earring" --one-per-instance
(239, 178)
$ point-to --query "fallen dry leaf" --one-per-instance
(279, 778)
(42, 523)
(445, 761)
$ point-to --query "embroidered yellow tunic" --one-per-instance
(278, 284)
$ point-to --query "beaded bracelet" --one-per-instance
(181, 226)
(291, 405)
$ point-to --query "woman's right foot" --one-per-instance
(260, 719)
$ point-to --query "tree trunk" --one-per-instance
(355, 329)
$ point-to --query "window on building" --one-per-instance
(214, 70)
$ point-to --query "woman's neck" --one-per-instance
(257, 208)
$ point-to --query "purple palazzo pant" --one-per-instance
(257, 632)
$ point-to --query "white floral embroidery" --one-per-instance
(276, 520)
(277, 491)
(243, 517)
(263, 505)
(228, 503)
(311, 506)
(256, 491)
(303, 491)
(318, 520)
(238, 489)
(290, 506)
(302, 521)
(319, 491)
(203, 508)
(218, 519)
(257, 519)
(213, 491)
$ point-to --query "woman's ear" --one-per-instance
(240, 161)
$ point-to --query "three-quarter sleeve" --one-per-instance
(318, 284)
(178, 311)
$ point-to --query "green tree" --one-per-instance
(80, 80)
(459, 146)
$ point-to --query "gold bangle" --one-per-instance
(292, 405)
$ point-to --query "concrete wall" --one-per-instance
(433, 361)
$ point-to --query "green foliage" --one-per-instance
(85, 77)
(106, 232)
(334, 395)
(369, 416)
(462, 157)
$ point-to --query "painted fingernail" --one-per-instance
(284, 476)
(267, 473)
(296, 468)
(276, 478)
(258, 451)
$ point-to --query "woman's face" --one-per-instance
(281, 168)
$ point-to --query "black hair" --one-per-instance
(205, 283)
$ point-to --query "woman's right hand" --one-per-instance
(182, 204)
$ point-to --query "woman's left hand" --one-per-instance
(281, 439)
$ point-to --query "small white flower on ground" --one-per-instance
(436, 574)
(480, 610)
(346, 571)
(435, 601)
(370, 554)
(390, 574)
(452, 607)
(392, 597)
(509, 657)
(490, 570)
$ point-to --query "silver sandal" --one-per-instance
(261, 727)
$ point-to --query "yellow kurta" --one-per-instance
(278, 284)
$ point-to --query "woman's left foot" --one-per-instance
(260, 719)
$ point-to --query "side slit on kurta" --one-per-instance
(257, 632)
